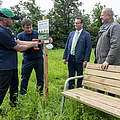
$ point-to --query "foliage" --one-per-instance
(35, 107)
(29, 10)
(117, 19)
(96, 22)
(0, 2)
(62, 19)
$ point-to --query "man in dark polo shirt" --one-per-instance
(32, 58)
(8, 56)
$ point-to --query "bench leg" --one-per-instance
(62, 104)
(65, 88)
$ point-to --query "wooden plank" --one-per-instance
(111, 68)
(97, 94)
(103, 74)
(106, 88)
(104, 81)
(46, 72)
(93, 103)
(112, 101)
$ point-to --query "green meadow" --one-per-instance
(34, 107)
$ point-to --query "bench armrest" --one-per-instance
(71, 78)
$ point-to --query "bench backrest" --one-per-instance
(108, 81)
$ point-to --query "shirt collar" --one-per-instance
(79, 30)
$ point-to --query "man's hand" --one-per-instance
(35, 44)
(50, 40)
(84, 64)
(105, 65)
(65, 61)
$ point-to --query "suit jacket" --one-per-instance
(108, 46)
(82, 49)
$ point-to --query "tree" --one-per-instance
(61, 19)
(117, 19)
(0, 3)
(96, 22)
(29, 10)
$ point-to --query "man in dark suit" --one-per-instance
(77, 51)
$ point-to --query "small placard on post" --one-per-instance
(43, 30)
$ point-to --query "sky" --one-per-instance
(88, 5)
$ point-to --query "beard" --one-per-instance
(7, 23)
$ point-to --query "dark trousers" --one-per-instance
(27, 67)
(95, 61)
(74, 67)
(9, 79)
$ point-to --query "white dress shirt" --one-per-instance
(72, 48)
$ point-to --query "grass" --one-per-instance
(35, 107)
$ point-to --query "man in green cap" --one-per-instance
(7, 13)
(8, 56)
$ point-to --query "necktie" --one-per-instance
(75, 38)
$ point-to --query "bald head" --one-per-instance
(108, 11)
(107, 15)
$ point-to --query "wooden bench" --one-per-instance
(94, 79)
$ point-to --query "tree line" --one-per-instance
(61, 18)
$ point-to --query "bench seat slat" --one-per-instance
(113, 101)
(93, 102)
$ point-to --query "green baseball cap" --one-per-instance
(8, 13)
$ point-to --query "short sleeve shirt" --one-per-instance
(30, 54)
(8, 56)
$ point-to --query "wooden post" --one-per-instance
(45, 67)
(46, 71)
